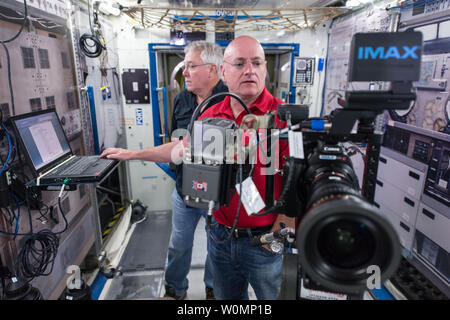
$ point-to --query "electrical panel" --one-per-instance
(413, 193)
(425, 9)
(136, 86)
(431, 108)
(303, 71)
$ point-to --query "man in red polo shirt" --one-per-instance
(236, 263)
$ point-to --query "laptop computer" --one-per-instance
(49, 154)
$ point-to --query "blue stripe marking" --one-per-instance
(154, 98)
(97, 286)
(317, 125)
(383, 294)
(90, 92)
(166, 128)
(200, 17)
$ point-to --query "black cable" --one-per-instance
(30, 222)
(236, 218)
(43, 215)
(238, 210)
(64, 217)
(199, 108)
(240, 197)
(37, 254)
(8, 62)
(22, 26)
(95, 48)
(284, 193)
(86, 48)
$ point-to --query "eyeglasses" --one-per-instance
(191, 67)
(240, 64)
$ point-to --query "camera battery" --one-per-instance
(202, 183)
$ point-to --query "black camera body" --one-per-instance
(340, 233)
(209, 174)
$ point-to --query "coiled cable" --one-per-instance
(37, 253)
(90, 44)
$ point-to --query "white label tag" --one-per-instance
(135, 87)
(251, 199)
(320, 295)
(411, 191)
(442, 183)
(296, 144)
(405, 216)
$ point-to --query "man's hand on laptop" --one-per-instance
(117, 153)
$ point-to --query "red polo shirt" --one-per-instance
(226, 214)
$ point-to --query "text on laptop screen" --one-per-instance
(43, 138)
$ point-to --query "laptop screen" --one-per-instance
(43, 138)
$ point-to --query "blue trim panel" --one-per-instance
(166, 127)
(97, 286)
(157, 141)
(90, 92)
(383, 294)
(154, 96)
(166, 168)
(295, 53)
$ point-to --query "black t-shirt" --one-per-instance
(183, 108)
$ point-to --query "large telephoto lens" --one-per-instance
(342, 237)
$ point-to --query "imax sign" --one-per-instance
(365, 53)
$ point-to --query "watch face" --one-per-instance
(276, 246)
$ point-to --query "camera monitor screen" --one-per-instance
(385, 56)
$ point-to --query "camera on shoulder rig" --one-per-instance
(340, 234)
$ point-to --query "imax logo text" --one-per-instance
(365, 53)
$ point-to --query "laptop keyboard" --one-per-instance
(79, 165)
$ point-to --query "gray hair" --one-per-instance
(211, 52)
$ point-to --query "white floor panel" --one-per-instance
(150, 284)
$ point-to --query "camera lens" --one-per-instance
(340, 238)
(346, 244)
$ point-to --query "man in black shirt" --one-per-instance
(201, 65)
(201, 71)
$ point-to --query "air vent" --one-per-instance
(28, 58)
(43, 58)
(36, 104)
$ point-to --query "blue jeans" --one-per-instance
(236, 264)
(184, 222)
